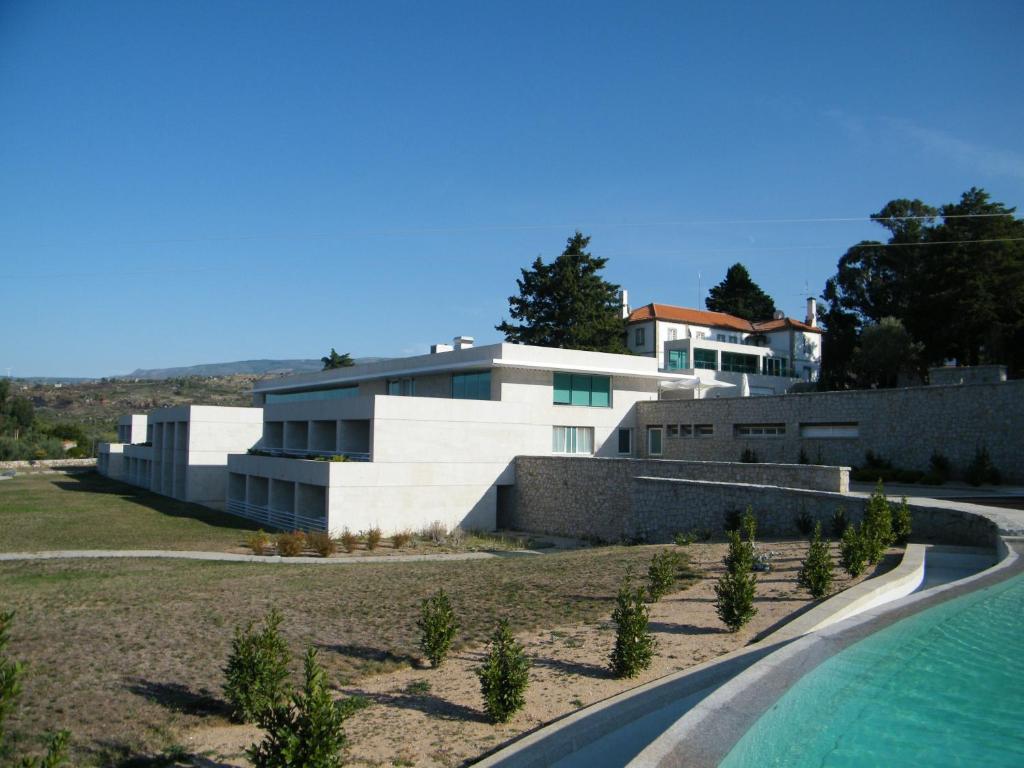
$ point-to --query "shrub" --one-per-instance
(839, 523)
(981, 469)
(307, 731)
(703, 534)
(321, 543)
(661, 574)
(373, 537)
(852, 555)
(258, 542)
(401, 538)
(901, 523)
(734, 598)
(437, 626)
(740, 554)
(749, 456)
(874, 461)
(816, 570)
(339, 457)
(634, 644)
(876, 530)
(748, 524)
(732, 520)
(291, 544)
(504, 675)
(804, 522)
(257, 670)
(348, 540)
(457, 537)
(684, 539)
(436, 532)
(940, 467)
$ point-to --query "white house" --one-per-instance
(731, 356)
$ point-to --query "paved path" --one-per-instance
(75, 554)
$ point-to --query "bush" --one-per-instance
(732, 520)
(436, 532)
(748, 525)
(321, 543)
(816, 570)
(852, 555)
(876, 530)
(348, 540)
(901, 523)
(839, 523)
(684, 539)
(661, 574)
(981, 469)
(373, 537)
(258, 542)
(939, 467)
(437, 626)
(291, 544)
(634, 644)
(401, 539)
(307, 731)
(804, 522)
(504, 675)
(740, 554)
(749, 456)
(257, 670)
(734, 592)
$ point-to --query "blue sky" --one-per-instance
(189, 182)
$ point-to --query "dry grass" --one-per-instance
(125, 653)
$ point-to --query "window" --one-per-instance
(678, 359)
(759, 430)
(705, 358)
(654, 441)
(839, 429)
(572, 440)
(403, 387)
(313, 394)
(625, 440)
(574, 389)
(672, 430)
(738, 363)
(733, 338)
(686, 430)
(774, 366)
(719, 337)
(671, 334)
(703, 430)
(471, 386)
(639, 337)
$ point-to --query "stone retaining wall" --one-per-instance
(47, 464)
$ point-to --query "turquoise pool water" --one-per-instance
(944, 687)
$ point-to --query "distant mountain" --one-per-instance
(253, 367)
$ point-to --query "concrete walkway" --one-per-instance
(76, 554)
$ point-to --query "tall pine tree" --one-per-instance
(740, 296)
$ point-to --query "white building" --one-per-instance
(432, 437)
(760, 358)
(131, 429)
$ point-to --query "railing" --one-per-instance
(302, 453)
(275, 518)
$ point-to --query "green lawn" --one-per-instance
(88, 511)
(126, 652)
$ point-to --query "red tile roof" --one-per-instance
(713, 319)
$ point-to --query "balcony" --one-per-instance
(276, 518)
(305, 453)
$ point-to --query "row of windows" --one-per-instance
(759, 430)
(576, 389)
(679, 359)
(336, 393)
(472, 386)
(689, 430)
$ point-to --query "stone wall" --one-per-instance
(41, 464)
(902, 425)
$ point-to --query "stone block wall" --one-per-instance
(902, 425)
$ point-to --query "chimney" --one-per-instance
(462, 342)
(435, 348)
(812, 312)
(778, 314)
(624, 302)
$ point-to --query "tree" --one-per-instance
(886, 351)
(634, 643)
(504, 675)
(334, 360)
(257, 670)
(437, 625)
(738, 295)
(816, 570)
(567, 304)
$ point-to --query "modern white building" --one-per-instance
(731, 356)
(131, 429)
(432, 437)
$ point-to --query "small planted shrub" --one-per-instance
(258, 542)
(804, 522)
(734, 598)
(291, 544)
(437, 625)
(373, 537)
(457, 537)
(504, 675)
(732, 520)
(634, 643)
(816, 570)
(401, 539)
(852, 554)
(684, 539)
(661, 574)
(939, 468)
(749, 456)
(901, 523)
(257, 670)
(321, 543)
(436, 533)
(741, 553)
(748, 525)
(306, 731)
(981, 470)
(349, 540)
(840, 523)
(876, 530)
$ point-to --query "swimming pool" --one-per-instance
(942, 687)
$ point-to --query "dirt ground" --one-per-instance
(426, 717)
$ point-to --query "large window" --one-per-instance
(738, 363)
(625, 440)
(471, 386)
(313, 394)
(678, 359)
(759, 430)
(705, 358)
(774, 366)
(654, 441)
(572, 440)
(838, 429)
(639, 337)
(574, 389)
(405, 387)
